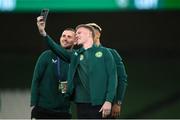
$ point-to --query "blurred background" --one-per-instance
(144, 32)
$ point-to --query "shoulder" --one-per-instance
(46, 53)
(112, 50)
(105, 50)
(114, 53)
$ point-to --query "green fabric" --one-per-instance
(44, 88)
(122, 76)
(82, 85)
(81, 93)
(102, 78)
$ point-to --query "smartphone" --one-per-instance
(44, 13)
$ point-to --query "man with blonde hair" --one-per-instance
(121, 72)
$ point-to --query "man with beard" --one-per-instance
(47, 94)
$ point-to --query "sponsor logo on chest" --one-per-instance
(99, 54)
(54, 60)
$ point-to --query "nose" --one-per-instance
(76, 37)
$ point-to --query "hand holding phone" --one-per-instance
(44, 13)
(41, 21)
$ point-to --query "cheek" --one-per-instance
(82, 38)
(60, 40)
(71, 41)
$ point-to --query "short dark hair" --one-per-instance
(70, 29)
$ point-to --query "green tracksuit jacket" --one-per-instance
(102, 73)
(44, 88)
(122, 76)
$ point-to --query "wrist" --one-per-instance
(43, 34)
(108, 102)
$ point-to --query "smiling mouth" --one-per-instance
(64, 42)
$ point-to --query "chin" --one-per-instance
(64, 46)
(79, 43)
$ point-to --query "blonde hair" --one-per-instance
(97, 35)
(88, 27)
(95, 26)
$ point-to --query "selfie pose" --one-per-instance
(49, 83)
(92, 76)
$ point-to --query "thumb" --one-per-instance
(100, 110)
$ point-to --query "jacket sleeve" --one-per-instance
(37, 77)
(122, 76)
(58, 49)
(112, 76)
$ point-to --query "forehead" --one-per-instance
(68, 32)
(82, 29)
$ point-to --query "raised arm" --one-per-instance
(56, 48)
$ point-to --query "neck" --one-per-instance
(98, 43)
(88, 44)
(69, 48)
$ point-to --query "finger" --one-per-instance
(106, 113)
(41, 24)
(100, 110)
(103, 114)
(40, 21)
(39, 18)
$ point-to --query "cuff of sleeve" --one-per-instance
(44, 34)
(109, 99)
(118, 102)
